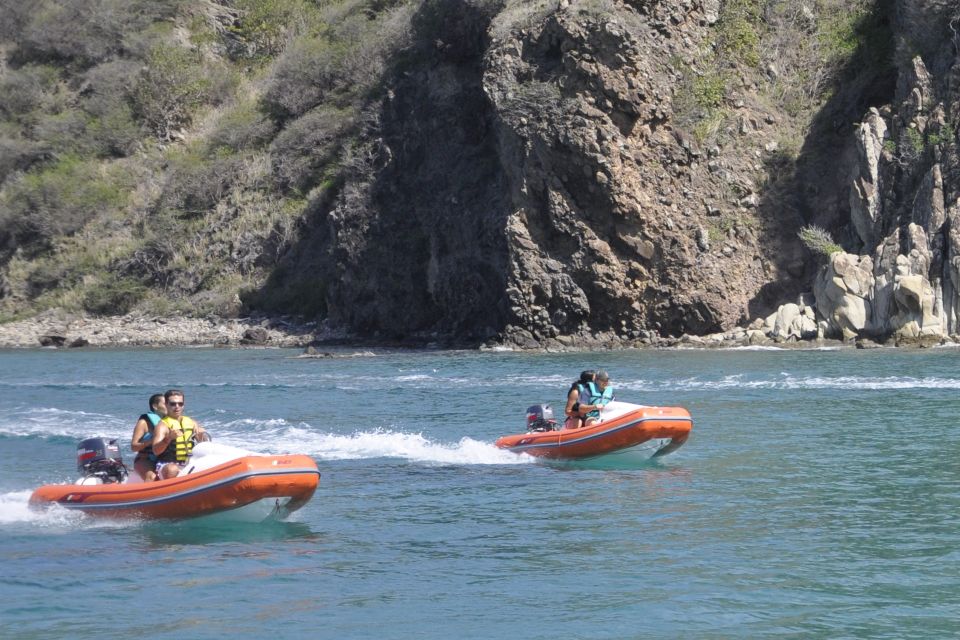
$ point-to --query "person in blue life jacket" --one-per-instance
(142, 440)
(599, 395)
(174, 437)
(577, 405)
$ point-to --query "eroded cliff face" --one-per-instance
(541, 173)
(530, 186)
(900, 276)
(612, 205)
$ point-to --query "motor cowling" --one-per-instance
(100, 458)
(540, 418)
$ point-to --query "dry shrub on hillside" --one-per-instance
(84, 32)
(336, 67)
(242, 127)
(58, 200)
(301, 151)
(265, 27)
(17, 154)
(169, 90)
(305, 73)
(809, 49)
(196, 182)
(29, 91)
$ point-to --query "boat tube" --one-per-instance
(622, 427)
(217, 478)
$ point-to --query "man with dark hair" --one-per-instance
(175, 436)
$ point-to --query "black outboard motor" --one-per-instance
(540, 418)
(100, 458)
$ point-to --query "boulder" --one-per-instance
(255, 336)
(914, 302)
(51, 340)
(843, 290)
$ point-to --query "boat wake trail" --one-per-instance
(383, 443)
(15, 509)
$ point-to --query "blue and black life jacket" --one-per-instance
(152, 419)
(595, 396)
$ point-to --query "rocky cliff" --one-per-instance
(527, 181)
(615, 172)
(901, 273)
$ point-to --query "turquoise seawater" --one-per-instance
(818, 497)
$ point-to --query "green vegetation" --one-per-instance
(113, 296)
(158, 154)
(58, 200)
(819, 241)
(945, 135)
(169, 90)
(817, 49)
(265, 26)
(699, 101)
(740, 29)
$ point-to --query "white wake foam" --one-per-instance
(47, 422)
(787, 381)
(382, 443)
(15, 508)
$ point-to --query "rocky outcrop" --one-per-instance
(855, 299)
(617, 212)
(904, 198)
(527, 182)
(530, 179)
(844, 294)
(867, 185)
(792, 322)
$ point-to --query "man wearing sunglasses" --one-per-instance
(174, 437)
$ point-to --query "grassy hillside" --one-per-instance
(158, 154)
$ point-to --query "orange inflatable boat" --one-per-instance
(622, 427)
(258, 487)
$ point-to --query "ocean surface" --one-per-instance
(818, 497)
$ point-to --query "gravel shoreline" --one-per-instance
(59, 329)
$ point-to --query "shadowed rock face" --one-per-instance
(418, 239)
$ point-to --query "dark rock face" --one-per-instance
(414, 243)
(52, 340)
(255, 336)
(429, 254)
(530, 179)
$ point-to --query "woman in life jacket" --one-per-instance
(142, 440)
(599, 394)
(575, 409)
